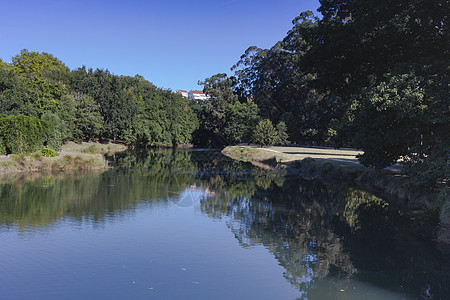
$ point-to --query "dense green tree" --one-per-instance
(40, 75)
(265, 134)
(57, 131)
(212, 112)
(21, 134)
(83, 116)
(283, 137)
(241, 119)
(388, 62)
(279, 85)
(93, 104)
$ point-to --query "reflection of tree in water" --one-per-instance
(153, 176)
(317, 231)
(294, 221)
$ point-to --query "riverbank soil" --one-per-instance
(72, 157)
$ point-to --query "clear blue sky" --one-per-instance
(171, 43)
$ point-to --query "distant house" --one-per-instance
(183, 93)
(197, 95)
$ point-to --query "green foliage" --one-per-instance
(22, 134)
(279, 85)
(265, 133)
(131, 109)
(241, 119)
(35, 63)
(212, 113)
(47, 152)
(384, 119)
(388, 63)
(283, 137)
(57, 130)
(90, 105)
(40, 79)
(2, 147)
(372, 75)
(82, 113)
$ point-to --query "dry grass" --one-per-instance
(287, 154)
(72, 157)
(92, 148)
(290, 154)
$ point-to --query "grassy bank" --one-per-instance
(72, 157)
(342, 165)
(332, 164)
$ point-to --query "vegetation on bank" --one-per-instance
(368, 75)
(342, 165)
(71, 157)
(42, 102)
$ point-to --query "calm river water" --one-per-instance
(193, 224)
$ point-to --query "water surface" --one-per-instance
(192, 224)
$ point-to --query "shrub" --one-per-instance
(56, 132)
(2, 147)
(265, 134)
(283, 137)
(47, 152)
(21, 134)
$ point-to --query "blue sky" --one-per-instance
(171, 43)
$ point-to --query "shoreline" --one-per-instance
(72, 157)
(329, 167)
(388, 183)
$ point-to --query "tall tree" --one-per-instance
(212, 112)
(388, 62)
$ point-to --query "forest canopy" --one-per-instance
(86, 104)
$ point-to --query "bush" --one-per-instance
(57, 131)
(283, 137)
(241, 119)
(21, 134)
(265, 134)
(2, 147)
(47, 152)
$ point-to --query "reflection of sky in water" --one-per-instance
(168, 252)
(192, 196)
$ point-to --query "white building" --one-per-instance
(183, 93)
(197, 95)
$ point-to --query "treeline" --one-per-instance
(373, 75)
(38, 91)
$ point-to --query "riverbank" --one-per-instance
(72, 157)
(342, 165)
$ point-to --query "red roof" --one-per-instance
(197, 92)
